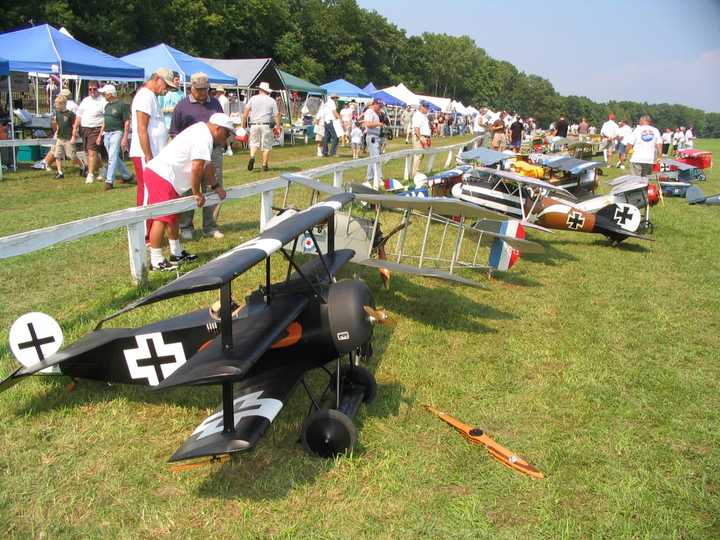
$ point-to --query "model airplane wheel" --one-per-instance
(353, 376)
(646, 227)
(327, 433)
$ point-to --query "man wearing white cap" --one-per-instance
(183, 165)
(114, 130)
(259, 112)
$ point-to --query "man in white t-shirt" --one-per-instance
(88, 123)
(608, 133)
(421, 133)
(373, 125)
(623, 138)
(328, 114)
(149, 133)
(346, 114)
(183, 165)
(689, 138)
(678, 139)
(646, 146)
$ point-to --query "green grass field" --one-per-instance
(597, 364)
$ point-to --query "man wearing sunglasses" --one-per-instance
(88, 124)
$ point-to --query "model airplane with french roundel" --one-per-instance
(255, 353)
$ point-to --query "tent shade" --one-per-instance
(44, 49)
(4, 66)
(439, 103)
(389, 99)
(297, 84)
(165, 56)
(343, 88)
(249, 72)
(370, 88)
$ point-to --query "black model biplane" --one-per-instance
(256, 353)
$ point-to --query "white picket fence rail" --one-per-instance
(134, 218)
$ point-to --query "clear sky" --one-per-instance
(642, 50)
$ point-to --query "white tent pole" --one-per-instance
(37, 97)
(12, 119)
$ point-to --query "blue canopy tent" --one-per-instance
(44, 49)
(345, 89)
(388, 99)
(165, 56)
(370, 88)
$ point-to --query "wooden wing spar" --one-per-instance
(500, 453)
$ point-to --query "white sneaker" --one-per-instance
(217, 235)
(41, 165)
(622, 166)
(90, 178)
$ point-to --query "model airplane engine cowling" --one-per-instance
(350, 326)
(653, 194)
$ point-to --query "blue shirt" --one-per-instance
(189, 111)
(171, 99)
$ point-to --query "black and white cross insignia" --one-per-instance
(622, 215)
(36, 342)
(35, 337)
(575, 220)
(154, 359)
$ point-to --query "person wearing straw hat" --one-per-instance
(259, 112)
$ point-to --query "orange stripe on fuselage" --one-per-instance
(294, 333)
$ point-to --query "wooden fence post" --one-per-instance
(137, 252)
(408, 167)
(430, 162)
(377, 174)
(338, 179)
(448, 161)
(266, 212)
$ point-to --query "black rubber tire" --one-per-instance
(358, 375)
(327, 433)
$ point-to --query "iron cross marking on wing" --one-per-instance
(36, 342)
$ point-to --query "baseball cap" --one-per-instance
(108, 89)
(425, 104)
(166, 75)
(199, 80)
(223, 120)
(378, 101)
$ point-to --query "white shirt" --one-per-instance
(420, 120)
(91, 111)
(644, 140)
(71, 106)
(328, 110)
(609, 129)
(346, 114)
(689, 135)
(263, 109)
(224, 103)
(356, 135)
(678, 137)
(174, 162)
(667, 137)
(624, 133)
(146, 102)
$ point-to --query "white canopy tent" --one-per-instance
(402, 93)
(444, 104)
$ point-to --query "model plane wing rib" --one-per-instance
(420, 271)
(446, 206)
(526, 180)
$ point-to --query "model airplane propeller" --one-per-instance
(256, 353)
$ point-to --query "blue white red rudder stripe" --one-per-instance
(502, 255)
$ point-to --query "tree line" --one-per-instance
(322, 40)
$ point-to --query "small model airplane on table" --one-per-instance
(540, 205)
(256, 353)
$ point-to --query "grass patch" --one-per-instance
(597, 364)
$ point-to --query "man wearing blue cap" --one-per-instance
(373, 125)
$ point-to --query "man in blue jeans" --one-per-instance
(114, 130)
(329, 115)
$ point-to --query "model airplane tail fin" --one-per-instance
(694, 195)
(503, 256)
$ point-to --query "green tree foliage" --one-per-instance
(322, 40)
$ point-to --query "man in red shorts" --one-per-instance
(184, 164)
